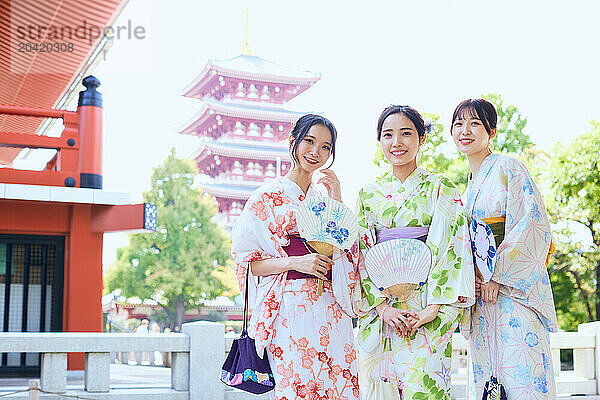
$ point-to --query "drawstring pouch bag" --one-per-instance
(243, 368)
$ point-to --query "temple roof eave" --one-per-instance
(228, 193)
(250, 68)
(208, 148)
(234, 110)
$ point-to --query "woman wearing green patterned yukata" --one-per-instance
(412, 347)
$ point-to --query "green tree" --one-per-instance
(572, 276)
(175, 265)
(510, 138)
(573, 179)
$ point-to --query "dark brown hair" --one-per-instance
(410, 113)
(477, 108)
(301, 128)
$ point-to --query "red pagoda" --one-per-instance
(243, 126)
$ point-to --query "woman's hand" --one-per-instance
(313, 264)
(478, 283)
(489, 291)
(400, 320)
(426, 315)
(332, 183)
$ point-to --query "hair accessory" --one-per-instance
(429, 125)
(294, 122)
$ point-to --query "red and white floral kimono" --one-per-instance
(308, 338)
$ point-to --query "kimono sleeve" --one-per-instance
(451, 279)
(521, 259)
(370, 296)
(251, 241)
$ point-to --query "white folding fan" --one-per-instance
(398, 264)
(483, 245)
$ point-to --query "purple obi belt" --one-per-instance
(403, 232)
(299, 248)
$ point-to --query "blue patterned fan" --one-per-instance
(328, 221)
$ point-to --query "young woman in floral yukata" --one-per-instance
(308, 337)
(509, 325)
(411, 202)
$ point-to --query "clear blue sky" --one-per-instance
(540, 55)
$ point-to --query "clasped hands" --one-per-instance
(487, 291)
(406, 322)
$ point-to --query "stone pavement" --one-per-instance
(124, 376)
(121, 376)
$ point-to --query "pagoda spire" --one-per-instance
(246, 50)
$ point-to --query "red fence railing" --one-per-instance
(78, 159)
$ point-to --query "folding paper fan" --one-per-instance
(484, 248)
(393, 264)
(327, 223)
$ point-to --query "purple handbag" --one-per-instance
(243, 369)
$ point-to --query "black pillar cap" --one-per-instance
(90, 97)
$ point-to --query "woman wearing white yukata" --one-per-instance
(307, 335)
(509, 324)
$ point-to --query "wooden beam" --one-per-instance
(23, 140)
(46, 177)
(119, 218)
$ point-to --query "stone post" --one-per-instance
(207, 354)
(594, 370)
(54, 372)
(97, 372)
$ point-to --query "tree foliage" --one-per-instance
(510, 138)
(178, 264)
(572, 198)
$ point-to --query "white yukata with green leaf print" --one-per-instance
(421, 365)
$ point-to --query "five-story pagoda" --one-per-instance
(243, 126)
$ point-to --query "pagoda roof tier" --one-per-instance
(230, 191)
(250, 151)
(207, 116)
(250, 68)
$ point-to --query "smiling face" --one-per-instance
(470, 135)
(314, 149)
(400, 141)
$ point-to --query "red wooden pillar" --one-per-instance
(83, 274)
(89, 109)
(83, 278)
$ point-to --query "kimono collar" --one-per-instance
(295, 192)
(484, 169)
(411, 182)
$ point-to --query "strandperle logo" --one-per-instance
(82, 31)
(42, 48)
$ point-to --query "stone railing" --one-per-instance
(195, 354)
(198, 353)
(583, 379)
